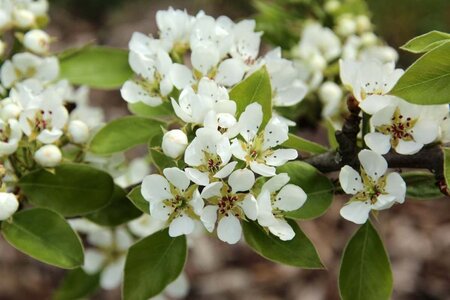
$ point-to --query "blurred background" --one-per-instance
(416, 234)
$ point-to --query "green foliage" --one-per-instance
(45, 236)
(123, 134)
(298, 252)
(304, 145)
(136, 198)
(119, 211)
(426, 42)
(421, 186)
(255, 88)
(96, 66)
(158, 257)
(156, 112)
(365, 272)
(73, 189)
(427, 81)
(317, 187)
(77, 284)
(331, 133)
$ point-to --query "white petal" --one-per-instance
(209, 217)
(181, 76)
(276, 183)
(49, 136)
(350, 180)
(177, 177)
(237, 150)
(275, 133)
(373, 163)
(282, 230)
(230, 72)
(181, 225)
(193, 154)
(155, 188)
(211, 190)
(250, 207)
(182, 114)
(241, 180)
(250, 121)
(226, 170)
(378, 142)
(204, 58)
(408, 147)
(357, 212)
(425, 131)
(198, 177)
(93, 261)
(290, 197)
(112, 274)
(395, 185)
(197, 202)
(384, 202)
(281, 156)
(262, 169)
(229, 229)
(374, 103)
(265, 215)
(383, 116)
(133, 92)
(160, 211)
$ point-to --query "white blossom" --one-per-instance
(48, 156)
(174, 142)
(37, 41)
(10, 136)
(8, 205)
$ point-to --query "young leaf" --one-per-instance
(136, 198)
(427, 81)
(97, 67)
(317, 187)
(123, 134)
(365, 272)
(159, 159)
(255, 88)
(73, 189)
(447, 166)
(331, 133)
(45, 236)
(120, 210)
(159, 258)
(304, 145)
(77, 284)
(421, 186)
(426, 42)
(143, 110)
(298, 252)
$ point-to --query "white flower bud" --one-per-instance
(330, 91)
(174, 143)
(369, 38)
(5, 20)
(78, 132)
(23, 18)
(318, 62)
(48, 156)
(362, 23)
(346, 27)
(331, 6)
(37, 41)
(10, 111)
(8, 205)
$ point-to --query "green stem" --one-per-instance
(365, 127)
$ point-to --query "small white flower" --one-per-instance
(10, 136)
(370, 81)
(8, 205)
(174, 27)
(275, 198)
(48, 156)
(78, 132)
(174, 142)
(331, 96)
(134, 173)
(227, 206)
(404, 128)
(172, 200)
(145, 225)
(37, 41)
(372, 190)
(257, 148)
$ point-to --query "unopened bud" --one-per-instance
(78, 132)
(362, 23)
(48, 156)
(8, 205)
(37, 41)
(24, 18)
(174, 143)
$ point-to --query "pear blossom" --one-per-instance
(276, 197)
(404, 127)
(173, 200)
(78, 131)
(370, 81)
(331, 96)
(174, 142)
(48, 156)
(137, 169)
(37, 41)
(227, 205)
(145, 225)
(174, 27)
(8, 205)
(10, 136)
(256, 150)
(372, 188)
(209, 155)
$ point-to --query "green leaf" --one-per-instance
(97, 67)
(447, 166)
(304, 145)
(143, 110)
(365, 272)
(120, 210)
(331, 132)
(298, 252)
(136, 198)
(73, 189)
(123, 134)
(427, 81)
(77, 284)
(426, 42)
(255, 88)
(317, 187)
(158, 158)
(158, 257)
(45, 236)
(421, 186)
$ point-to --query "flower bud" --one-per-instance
(331, 6)
(10, 111)
(346, 26)
(8, 205)
(174, 142)
(5, 20)
(330, 94)
(362, 23)
(318, 62)
(24, 18)
(37, 41)
(78, 132)
(369, 38)
(48, 156)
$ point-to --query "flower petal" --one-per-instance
(275, 133)
(281, 156)
(209, 217)
(229, 229)
(181, 76)
(226, 170)
(373, 163)
(276, 183)
(396, 186)
(177, 177)
(408, 147)
(250, 207)
(356, 211)
(230, 72)
(282, 230)
(250, 121)
(155, 188)
(241, 180)
(181, 225)
(378, 142)
(262, 169)
(211, 190)
(198, 177)
(350, 180)
(374, 103)
(290, 197)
